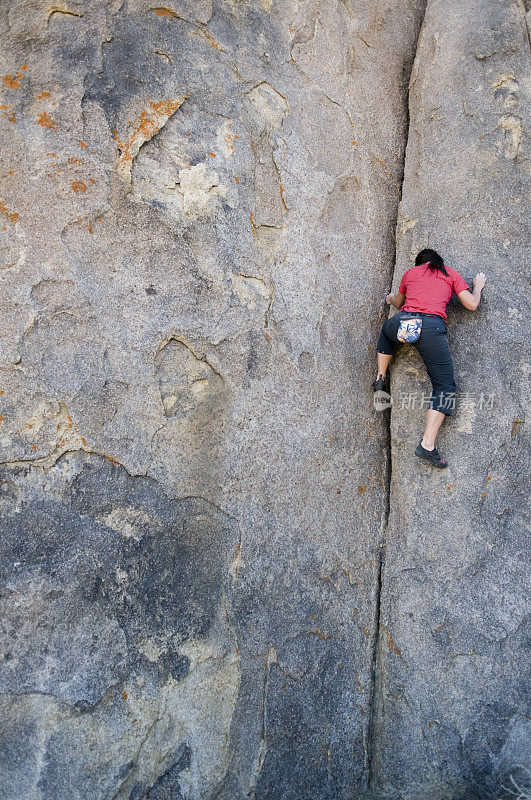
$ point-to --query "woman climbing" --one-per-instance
(423, 295)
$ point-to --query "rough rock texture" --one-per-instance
(453, 712)
(215, 583)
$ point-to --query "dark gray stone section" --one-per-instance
(96, 565)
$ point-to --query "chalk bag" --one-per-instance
(409, 330)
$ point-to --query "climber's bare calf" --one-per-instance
(434, 420)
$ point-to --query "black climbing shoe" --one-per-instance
(432, 456)
(381, 385)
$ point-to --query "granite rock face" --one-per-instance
(223, 576)
(453, 702)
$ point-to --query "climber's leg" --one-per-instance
(384, 359)
(387, 344)
(433, 347)
(434, 421)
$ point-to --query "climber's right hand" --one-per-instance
(480, 281)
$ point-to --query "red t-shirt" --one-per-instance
(428, 292)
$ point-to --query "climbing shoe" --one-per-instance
(432, 456)
(381, 385)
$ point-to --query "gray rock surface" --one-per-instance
(452, 694)
(209, 560)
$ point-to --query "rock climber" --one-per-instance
(423, 295)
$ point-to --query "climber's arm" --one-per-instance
(471, 299)
(397, 300)
(468, 299)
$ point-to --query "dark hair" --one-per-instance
(432, 259)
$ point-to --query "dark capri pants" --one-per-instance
(433, 348)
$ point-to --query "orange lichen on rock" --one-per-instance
(46, 120)
(318, 633)
(253, 226)
(69, 437)
(516, 426)
(13, 81)
(150, 121)
(161, 11)
(230, 137)
(64, 426)
(12, 216)
(10, 114)
(392, 645)
(78, 186)
(165, 12)
(381, 163)
(43, 94)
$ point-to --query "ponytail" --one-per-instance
(432, 259)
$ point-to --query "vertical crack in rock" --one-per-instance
(375, 699)
(526, 11)
(375, 665)
(271, 658)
